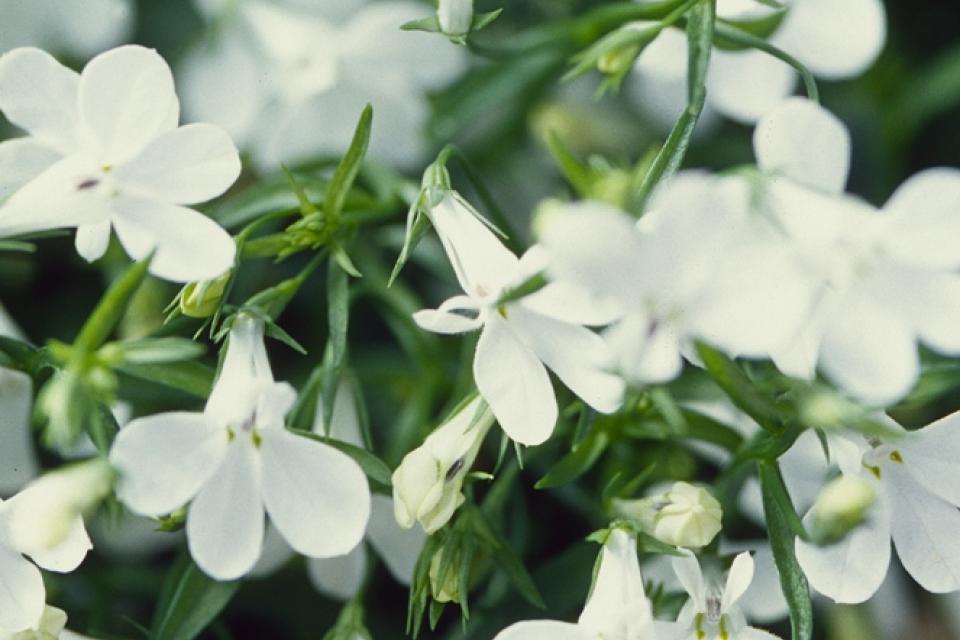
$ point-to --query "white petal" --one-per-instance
(18, 461)
(87, 28)
(545, 630)
(869, 352)
(932, 456)
(339, 577)
(190, 164)
(244, 372)
(189, 245)
(274, 404)
(316, 496)
(163, 460)
(924, 532)
(617, 605)
(458, 314)
(763, 601)
(805, 142)
(738, 580)
(745, 85)
(752, 633)
(688, 572)
(646, 353)
(924, 218)
(67, 555)
(22, 596)
(39, 94)
(398, 548)
(127, 99)
(834, 39)
(930, 301)
(22, 160)
(345, 422)
(92, 240)
(515, 384)
(225, 521)
(851, 570)
(578, 356)
(565, 301)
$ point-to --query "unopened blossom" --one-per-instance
(914, 477)
(270, 71)
(519, 339)
(22, 594)
(455, 16)
(712, 612)
(616, 609)
(105, 152)
(834, 40)
(885, 279)
(684, 516)
(427, 486)
(236, 460)
(80, 28)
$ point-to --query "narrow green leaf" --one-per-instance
(190, 601)
(507, 559)
(417, 226)
(430, 25)
(349, 166)
(740, 389)
(191, 377)
(306, 206)
(576, 173)
(576, 463)
(17, 245)
(375, 468)
(111, 308)
(482, 20)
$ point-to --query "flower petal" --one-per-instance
(22, 596)
(225, 522)
(339, 577)
(851, 570)
(834, 39)
(648, 352)
(244, 371)
(514, 383)
(924, 532)
(316, 496)
(87, 28)
(22, 160)
(127, 99)
(92, 240)
(190, 164)
(189, 246)
(932, 456)
(570, 303)
(545, 630)
(763, 601)
(738, 580)
(18, 460)
(930, 300)
(164, 459)
(688, 572)
(805, 142)
(617, 606)
(752, 633)
(745, 85)
(398, 548)
(924, 218)
(458, 314)
(39, 95)
(67, 555)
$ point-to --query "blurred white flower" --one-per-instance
(289, 79)
(834, 40)
(713, 611)
(79, 28)
(235, 460)
(18, 462)
(517, 338)
(105, 151)
(616, 609)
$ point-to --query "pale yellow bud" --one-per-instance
(684, 516)
(447, 590)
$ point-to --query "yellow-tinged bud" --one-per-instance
(842, 505)
(685, 516)
(201, 299)
(49, 627)
(446, 589)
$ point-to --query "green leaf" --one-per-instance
(507, 559)
(740, 389)
(17, 245)
(417, 226)
(111, 308)
(349, 166)
(779, 513)
(340, 255)
(306, 206)
(576, 173)
(482, 20)
(191, 377)
(576, 463)
(190, 601)
(375, 468)
(430, 24)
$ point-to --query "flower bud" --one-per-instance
(841, 506)
(427, 484)
(455, 16)
(619, 50)
(684, 516)
(43, 514)
(201, 299)
(445, 588)
(49, 627)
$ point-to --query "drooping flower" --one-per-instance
(616, 609)
(519, 339)
(236, 460)
(105, 152)
(712, 612)
(82, 28)
(270, 71)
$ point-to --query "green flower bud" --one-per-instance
(201, 299)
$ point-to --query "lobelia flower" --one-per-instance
(105, 151)
(270, 71)
(712, 612)
(884, 279)
(427, 484)
(342, 577)
(81, 28)
(916, 505)
(518, 339)
(834, 40)
(616, 609)
(236, 460)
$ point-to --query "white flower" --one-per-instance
(22, 595)
(885, 279)
(17, 460)
(455, 16)
(616, 609)
(271, 71)
(81, 28)
(235, 460)
(916, 480)
(427, 484)
(342, 577)
(105, 152)
(520, 337)
(834, 40)
(712, 612)
(685, 516)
